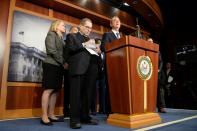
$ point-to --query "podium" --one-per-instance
(132, 68)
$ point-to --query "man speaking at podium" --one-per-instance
(109, 37)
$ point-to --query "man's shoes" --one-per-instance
(56, 120)
(90, 122)
(161, 110)
(75, 125)
(46, 123)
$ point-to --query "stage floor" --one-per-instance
(173, 120)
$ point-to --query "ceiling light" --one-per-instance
(125, 4)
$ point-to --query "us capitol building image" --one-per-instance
(25, 63)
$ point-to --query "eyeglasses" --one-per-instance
(87, 27)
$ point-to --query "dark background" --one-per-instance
(179, 46)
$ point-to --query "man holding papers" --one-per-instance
(83, 71)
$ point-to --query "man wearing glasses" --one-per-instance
(83, 70)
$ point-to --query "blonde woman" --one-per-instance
(53, 67)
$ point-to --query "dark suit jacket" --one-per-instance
(54, 49)
(107, 37)
(78, 57)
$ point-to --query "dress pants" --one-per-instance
(81, 92)
(107, 94)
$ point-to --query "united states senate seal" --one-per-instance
(144, 67)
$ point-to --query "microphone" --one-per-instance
(138, 29)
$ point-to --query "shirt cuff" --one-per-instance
(83, 44)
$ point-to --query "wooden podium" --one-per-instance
(132, 68)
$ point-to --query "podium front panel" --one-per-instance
(118, 80)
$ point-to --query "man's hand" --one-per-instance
(65, 66)
(90, 44)
(97, 49)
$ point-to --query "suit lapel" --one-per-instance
(80, 37)
(113, 36)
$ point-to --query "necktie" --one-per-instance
(118, 35)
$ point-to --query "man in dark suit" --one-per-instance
(113, 34)
(107, 38)
(161, 87)
(161, 84)
(83, 69)
(170, 86)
